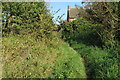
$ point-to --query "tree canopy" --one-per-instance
(29, 16)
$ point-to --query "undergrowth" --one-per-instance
(99, 63)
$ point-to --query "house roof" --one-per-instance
(73, 13)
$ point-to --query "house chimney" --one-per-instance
(68, 12)
(68, 7)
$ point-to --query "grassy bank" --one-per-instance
(24, 57)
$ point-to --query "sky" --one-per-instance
(63, 6)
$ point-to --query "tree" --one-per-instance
(107, 15)
(26, 17)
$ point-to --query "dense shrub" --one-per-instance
(27, 18)
(106, 14)
(82, 30)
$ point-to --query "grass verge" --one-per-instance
(24, 57)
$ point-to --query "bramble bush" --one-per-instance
(82, 30)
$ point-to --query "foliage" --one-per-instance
(26, 18)
(82, 11)
(99, 63)
(24, 57)
(83, 31)
(33, 48)
(106, 14)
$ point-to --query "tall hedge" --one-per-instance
(26, 18)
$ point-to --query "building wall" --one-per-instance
(71, 19)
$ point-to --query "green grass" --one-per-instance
(69, 64)
(24, 57)
(99, 63)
